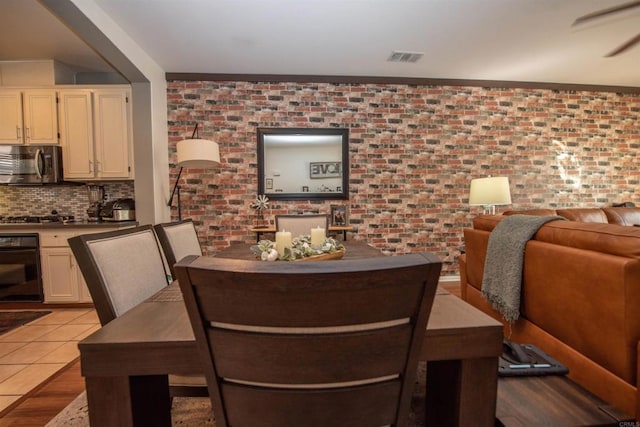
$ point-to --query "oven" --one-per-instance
(20, 277)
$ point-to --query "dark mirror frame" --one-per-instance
(342, 132)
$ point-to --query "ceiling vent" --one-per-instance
(398, 56)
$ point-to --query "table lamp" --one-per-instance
(489, 192)
(194, 153)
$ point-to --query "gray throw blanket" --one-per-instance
(503, 265)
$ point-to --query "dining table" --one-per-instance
(126, 362)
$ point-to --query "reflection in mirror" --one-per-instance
(303, 163)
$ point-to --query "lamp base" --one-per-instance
(176, 189)
(490, 210)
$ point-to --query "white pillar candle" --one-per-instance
(317, 237)
(283, 240)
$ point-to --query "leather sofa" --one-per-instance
(580, 298)
(611, 215)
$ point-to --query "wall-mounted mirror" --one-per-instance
(303, 163)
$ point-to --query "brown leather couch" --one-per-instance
(611, 215)
(580, 298)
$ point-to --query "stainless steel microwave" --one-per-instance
(30, 164)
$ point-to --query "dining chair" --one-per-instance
(178, 239)
(123, 268)
(310, 344)
(300, 225)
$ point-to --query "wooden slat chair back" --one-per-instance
(331, 343)
(300, 225)
(122, 269)
(178, 239)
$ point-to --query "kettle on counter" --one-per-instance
(119, 210)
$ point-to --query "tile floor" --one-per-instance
(32, 353)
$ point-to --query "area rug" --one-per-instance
(185, 411)
(12, 319)
(196, 411)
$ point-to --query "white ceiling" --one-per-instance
(28, 31)
(504, 40)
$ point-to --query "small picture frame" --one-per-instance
(305, 189)
(339, 215)
(269, 183)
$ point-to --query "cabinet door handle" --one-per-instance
(18, 135)
(90, 166)
(27, 133)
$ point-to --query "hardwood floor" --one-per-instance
(44, 403)
(552, 401)
(453, 287)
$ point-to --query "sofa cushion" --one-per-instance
(537, 212)
(623, 216)
(611, 215)
(583, 215)
(606, 238)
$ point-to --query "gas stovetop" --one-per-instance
(28, 219)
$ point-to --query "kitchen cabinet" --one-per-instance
(76, 133)
(10, 117)
(95, 133)
(28, 116)
(61, 277)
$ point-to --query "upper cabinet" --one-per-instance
(10, 117)
(95, 133)
(76, 133)
(28, 116)
(111, 112)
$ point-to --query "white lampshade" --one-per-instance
(198, 153)
(490, 191)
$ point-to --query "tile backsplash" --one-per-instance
(67, 199)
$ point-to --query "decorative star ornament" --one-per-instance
(260, 203)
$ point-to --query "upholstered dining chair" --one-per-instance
(178, 239)
(301, 224)
(329, 343)
(123, 268)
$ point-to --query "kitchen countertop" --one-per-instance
(36, 226)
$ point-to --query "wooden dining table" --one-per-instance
(126, 362)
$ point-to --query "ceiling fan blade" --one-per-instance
(604, 12)
(628, 45)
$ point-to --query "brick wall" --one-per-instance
(413, 150)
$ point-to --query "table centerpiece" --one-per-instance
(300, 250)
